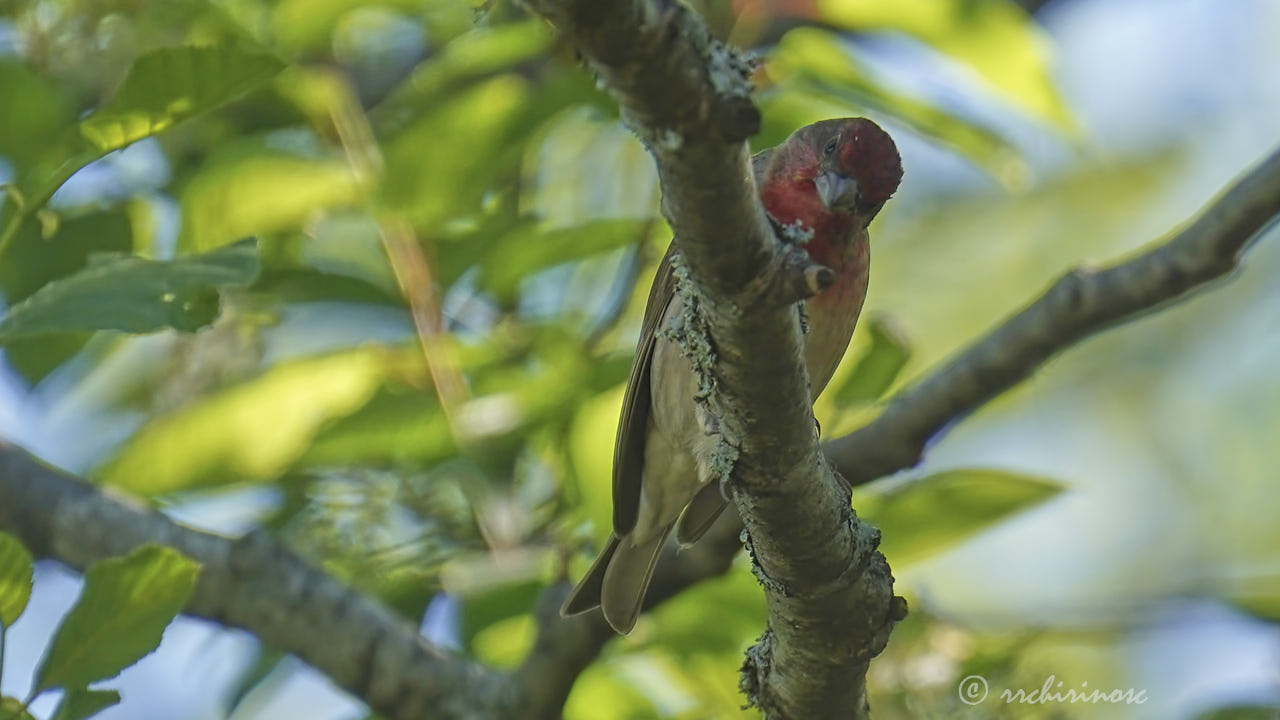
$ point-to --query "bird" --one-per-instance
(827, 181)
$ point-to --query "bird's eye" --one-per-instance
(831, 148)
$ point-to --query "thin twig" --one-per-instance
(406, 257)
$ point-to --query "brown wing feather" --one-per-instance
(628, 449)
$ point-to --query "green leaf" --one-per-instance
(254, 430)
(81, 703)
(12, 709)
(33, 112)
(506, 642)
(996, 38)
(490, 606)
(818, 78)
(302, 26)
(33, 260)
(15, 579)
(526, 250)
(397, 425)
(133, 294)
(405, 426)
(166, 86)
(260, 674)
(298, 285)
(484, 50)
(722, 616)
(120, 616)
(926, 516)
(260, 193)
(35, 356)
(1258, 594)
(877, 368)
(440, 167)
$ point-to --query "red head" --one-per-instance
(832, 176)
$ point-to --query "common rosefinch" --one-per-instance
(831, 177)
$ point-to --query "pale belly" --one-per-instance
(833, 314)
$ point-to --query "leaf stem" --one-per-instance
(33, 204)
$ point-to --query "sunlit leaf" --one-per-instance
(254, 430)
(15, 579)
(926, 516)
(397, 425)
(591, 438)
(481, 610)
(169, 85)
(721, 615)
(994, 37)
(133, 294)
(405, 426)
(441, 166)
(82, 703)
(505, 643)
(819, 78)
(260, 193)
(877, 367)
(599, 686)
(120, 615)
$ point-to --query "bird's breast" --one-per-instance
(834, 313)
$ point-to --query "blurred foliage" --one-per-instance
(144, 140)
(994, 38)
(932, 513)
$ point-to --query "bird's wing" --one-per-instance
(628, 449)
(759, 163)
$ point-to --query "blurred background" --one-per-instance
(452, 236)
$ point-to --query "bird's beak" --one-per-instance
(836, 191)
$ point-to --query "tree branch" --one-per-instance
(829, 592)
(255, 584)
(1082, 302)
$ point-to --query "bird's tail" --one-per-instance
(586, 595)
(701, 513)
(617, 581)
